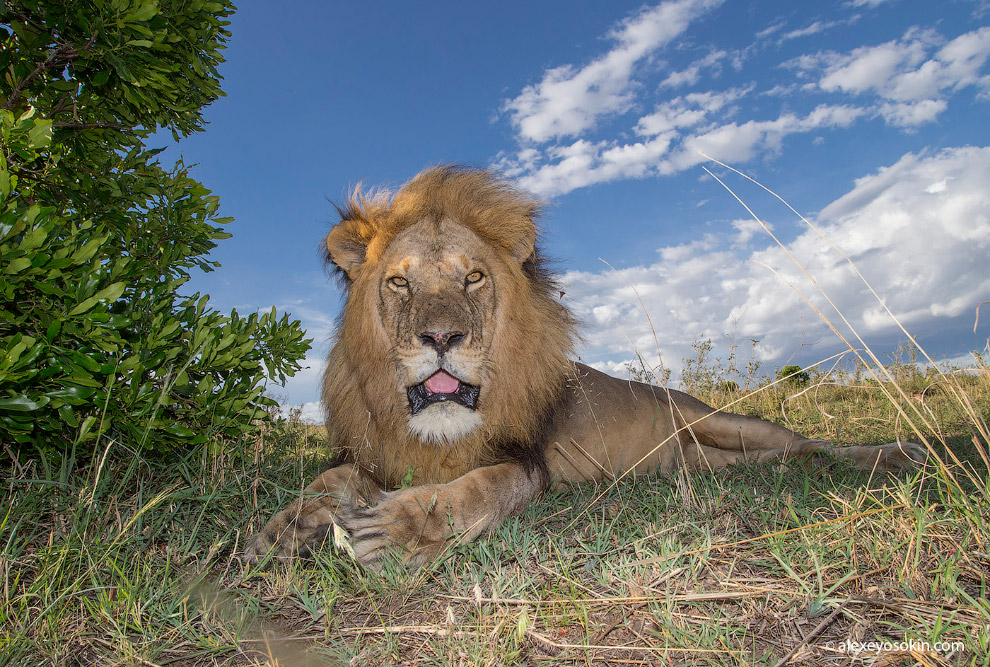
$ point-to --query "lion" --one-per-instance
(451, 368)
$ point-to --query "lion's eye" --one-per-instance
(474, 278)
(398, 282)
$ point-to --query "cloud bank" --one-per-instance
(605, 121)
(890, 224)
(569, 100)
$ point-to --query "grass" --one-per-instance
(127, 561)
(132, 562)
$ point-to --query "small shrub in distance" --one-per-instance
(793, 375)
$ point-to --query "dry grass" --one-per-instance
(750, 566)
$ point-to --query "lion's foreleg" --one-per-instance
(302, 526)
(420, 521)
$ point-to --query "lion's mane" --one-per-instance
(528, 367)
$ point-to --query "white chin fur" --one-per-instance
(443, 423)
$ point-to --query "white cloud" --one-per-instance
(867, 3)
(905, 82)
(770, 29)
(814, 28)
(747, 228)
(902, 72)
(691, 75)
(689, 110)
(963, 58)
(585, 163)
(568, 100)
(908, 79)
(614, 368)
(911, 114)
(872, 67)
(781, 90)
(740, 142)
(919, 230)
(305, 383)
(319, 323)
(311, 413)
(670, 116)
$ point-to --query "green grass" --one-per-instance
(125, 561)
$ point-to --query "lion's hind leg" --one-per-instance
(892, 457)
(712, 439)
(724, 438)
(713, 456)
(303, 526)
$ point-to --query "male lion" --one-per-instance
(450, 367)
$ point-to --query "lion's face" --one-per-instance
(438, 307)
(452, 347)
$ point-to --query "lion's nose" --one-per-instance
(441, 341)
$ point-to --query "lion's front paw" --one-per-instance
(407, 522)
(257, 548)
(291, 533)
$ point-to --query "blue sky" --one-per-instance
(870, 117)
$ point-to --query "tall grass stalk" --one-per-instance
(907, 410)
(978, 421)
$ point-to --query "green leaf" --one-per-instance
(18, 265)
(7, 182)
(33, 239)
(68, 415)
(111, 293)
(84, 381)
(72, 393)
(88, 250)
(84, 429)
(179, 431)
(18, 346)
(53, 330)
(40, 135)
(147, 10)
(121, 70)
(23, 404)
(119, 321)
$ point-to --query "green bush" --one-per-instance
(97, 238)
(793, 375)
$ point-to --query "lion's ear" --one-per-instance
(524, 243)
(347, 245)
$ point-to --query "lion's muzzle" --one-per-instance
(442, 387)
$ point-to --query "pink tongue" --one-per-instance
(442, 382)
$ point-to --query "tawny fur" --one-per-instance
(366, 416)
(409, 262)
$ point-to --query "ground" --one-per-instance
(128, 561)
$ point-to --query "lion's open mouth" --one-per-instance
(441, 387)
